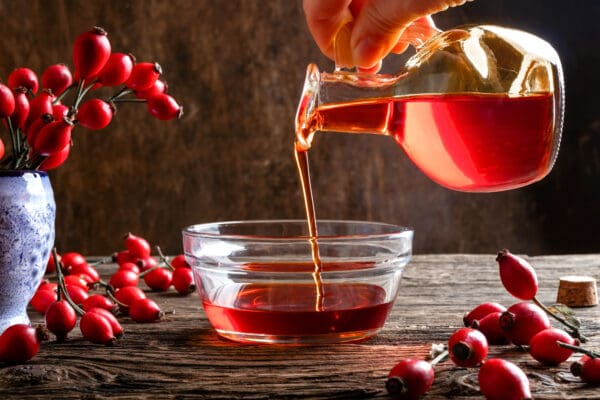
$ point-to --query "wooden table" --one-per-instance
(181, 357)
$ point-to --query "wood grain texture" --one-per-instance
(182, 358)
(237, 68)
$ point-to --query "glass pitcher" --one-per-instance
(477, 108)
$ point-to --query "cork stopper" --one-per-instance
(577, 291)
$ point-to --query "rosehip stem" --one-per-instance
(100, 283)
(83, 93)
(574, 329)
(16, 134)
(124, 91)
(63, 94)
(77, 100)
(578, 349)
(14, 142)
(36, 161)
(146, 272)
(109, 293)
(104, 260)
(23, 156)
(164, 259)
(128, 100)
(443, 356)
(61, 284)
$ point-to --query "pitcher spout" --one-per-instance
(305, 123)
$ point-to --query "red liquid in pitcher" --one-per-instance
(348, 310)
(469, 142)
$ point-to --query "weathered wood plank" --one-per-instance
(181, 357)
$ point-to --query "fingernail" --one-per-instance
(366, 53)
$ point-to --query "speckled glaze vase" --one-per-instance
(27, 213)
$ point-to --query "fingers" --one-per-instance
(380, 25)
(419, 31)
(362, 32)
(371, 70)
(324, 19)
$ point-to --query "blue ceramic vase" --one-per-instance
(27, 214)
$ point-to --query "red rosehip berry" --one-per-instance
(183, 280)
(2, 149)
(77, 293)
(95, 114)
(481, 311)
(42, 299)
(20, 343)
(116, 70)
(111, 318)
(587, 369)
(97, 301)
(91, 51)
(157, 88)
(128, 266)
(158, 279)
(123, 278)
(410, 379)
(36, 126)
(90, 274)
(21, 111)
(490, 327)
(502, 380)
(55, 160)
(38, 106)
(164, 107)
(70, 259)
(543, 346)
(7, 101)
(23, 77)
(59, 110)
(144, 264)
(467, 347)
(522, 321)
(77, 280)
(143, 75)
(96, 328)
(60, 319)
(123, 257)
(179, 261)
(137, 246)
(57, 78)
(53, 137)
(46, 285)
(145, 310)
(127, 295)
(517, 275)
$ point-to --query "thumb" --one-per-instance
(380, 24)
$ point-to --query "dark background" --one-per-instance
(237, 67)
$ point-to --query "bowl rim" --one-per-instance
(202, 230)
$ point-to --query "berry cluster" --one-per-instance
(40, 122)
(80, 291)
(523, 324)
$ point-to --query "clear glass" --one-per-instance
(256, 283)
(477, 108)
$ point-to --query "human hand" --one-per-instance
(362, 32)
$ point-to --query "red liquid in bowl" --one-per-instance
(352, 310)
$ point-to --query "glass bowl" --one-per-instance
(258, 282)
